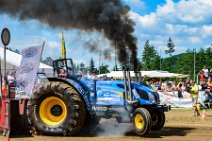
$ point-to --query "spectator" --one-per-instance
(188, 86)
(210, 73)
(163, 86)
(174, 86)
(88, 75)
(208, 96)
(180, 90)
(205, 70)
(204, 85)
(157, 85)
(194, 95)
(208, 92)
(11, 79)
(94, 76)
(210, 85)
(5, 78)
(202, 76)
(79, 74)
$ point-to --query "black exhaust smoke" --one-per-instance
(109, 16)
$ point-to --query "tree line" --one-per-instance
(152, 60)
(181, 63)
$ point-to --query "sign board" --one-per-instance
(27, 72)
(171, 98)
(5, 37)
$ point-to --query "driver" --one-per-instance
(62, 73)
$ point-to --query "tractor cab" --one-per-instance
(63, 67)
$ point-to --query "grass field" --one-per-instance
(180, 126)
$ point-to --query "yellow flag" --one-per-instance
(63, 47)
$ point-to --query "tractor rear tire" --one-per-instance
(142, 121)
(91, 125)
(56, 109)
(158, 119)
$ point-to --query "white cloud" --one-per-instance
(144, 21)
(186, 11)
(188, 22)
(53, 44)
(194, 40)
(207, 31)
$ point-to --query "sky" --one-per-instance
(187, 22)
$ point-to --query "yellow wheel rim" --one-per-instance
(139, 121)
(52, 111)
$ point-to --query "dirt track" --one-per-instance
(180, 126)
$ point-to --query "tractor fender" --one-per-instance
(78, 86)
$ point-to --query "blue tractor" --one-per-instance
(67, 104)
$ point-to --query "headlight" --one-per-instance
(152, 97)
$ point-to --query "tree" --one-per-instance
(48, 61)
(156, 62)
(92, 65)
(82, 67)
(170, 46)
(208, 53)
(115, 68)
(200, 59)
(104, 69)
(170, 50)
(149, 57)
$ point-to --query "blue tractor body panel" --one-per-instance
(111, 93)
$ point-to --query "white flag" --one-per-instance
(27, 72)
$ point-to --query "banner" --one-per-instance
(171, 98)
(27, 72)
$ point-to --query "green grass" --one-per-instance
(185, 116)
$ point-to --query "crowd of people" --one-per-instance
(205, 82)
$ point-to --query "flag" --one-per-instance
(27, 73)
(63, 47)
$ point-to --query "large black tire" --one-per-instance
(158, 119)
(56, 109)
(91, 124)
(142, 121)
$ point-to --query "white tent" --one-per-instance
(13, 61)
(150, 74)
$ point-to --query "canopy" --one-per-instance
(150, 74)
(13, 60)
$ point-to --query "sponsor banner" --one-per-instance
(27, 72)
(171, 98)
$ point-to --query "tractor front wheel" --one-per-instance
(158, 119)
(142, 121)
(56, 109)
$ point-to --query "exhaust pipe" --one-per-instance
(136, 76)
(139, 77)
(125, 88)
(129, 86)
